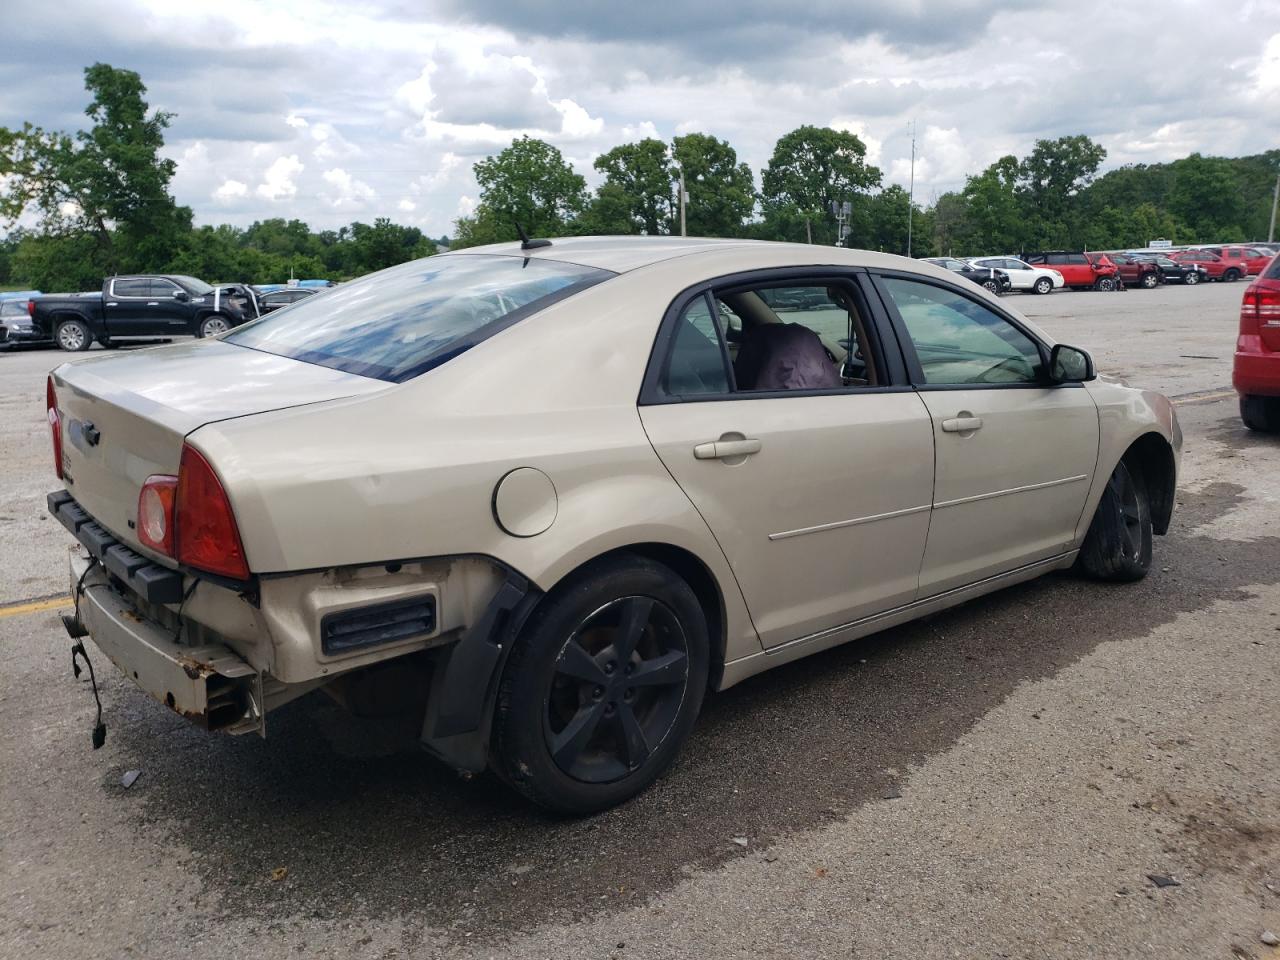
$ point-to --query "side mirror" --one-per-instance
(182, 296)
(1070, 365)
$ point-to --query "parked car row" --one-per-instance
(140, 307)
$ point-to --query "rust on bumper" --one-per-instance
(210, 685)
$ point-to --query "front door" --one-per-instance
(1015, 455)
(816, 480)
(169, 315)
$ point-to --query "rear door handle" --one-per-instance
(720, 449)
(962, 424)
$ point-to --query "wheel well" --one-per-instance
(694, 572)
(1152, 457)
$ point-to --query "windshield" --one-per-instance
(193, 286)
(398, 323)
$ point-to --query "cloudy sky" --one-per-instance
(332, 112)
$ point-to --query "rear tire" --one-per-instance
(575, 729)
(73, 336)
(1150, 281)
(1043, 285)
(213, 325)
(1191, 279)
(1117, 547)
(1232, 275)
(1260, 413)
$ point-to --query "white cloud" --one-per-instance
(231, 190)
(346, 190)
(278, 181)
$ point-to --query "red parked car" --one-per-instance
(1134, 273)
(1257, 259)
(1215, 267)
(1256, 374)
(1076, 269)
(1244, 259)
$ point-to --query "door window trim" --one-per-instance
(855, 278)
(905, 343)
(128, 296)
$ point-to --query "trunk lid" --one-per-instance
(125, 415)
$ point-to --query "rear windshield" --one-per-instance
(1272, 271)
(398, 323)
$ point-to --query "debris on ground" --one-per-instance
(741, 841)
(129, 778)
(1162, 881)
(279, 873)
(1270, 939)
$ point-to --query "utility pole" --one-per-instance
(684, 198)
(911, 192)
(1275, 202)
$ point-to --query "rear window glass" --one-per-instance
(398, 323)
(1272, 272)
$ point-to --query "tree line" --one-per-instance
(102, 203)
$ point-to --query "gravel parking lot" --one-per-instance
(1001, 780)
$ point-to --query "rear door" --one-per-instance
(1014, 455)
(128, 307)
(169, 315)
(819, 496)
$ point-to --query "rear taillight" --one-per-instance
(1260, 306)
(55, 425)
(31, 308)
(206, 534)
(155, 513)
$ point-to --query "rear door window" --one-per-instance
(132, 287)
(398, 323)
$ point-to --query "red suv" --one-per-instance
(1215, 267)
(1134, 273)
(1241, 259)
(1256, 374)
(1077, 272)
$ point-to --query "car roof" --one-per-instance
(623, 254)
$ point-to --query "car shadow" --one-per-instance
(369, 827)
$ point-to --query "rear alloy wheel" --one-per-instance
(213, 325)
(1118, 544)
(1260, 413)
(1105, 284)
(602, 687)
(1150, 281)
(1043, 285)
(1232, 275)
(73, 336)
(1192, 278)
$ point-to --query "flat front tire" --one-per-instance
(73, 336)
(1118, 544)
(602, 686)
(1260, 413)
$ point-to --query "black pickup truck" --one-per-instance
(142, 307)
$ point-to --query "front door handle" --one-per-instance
(962, 424)
(722, 449)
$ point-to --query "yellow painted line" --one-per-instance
(34, 606)
(1205, 398)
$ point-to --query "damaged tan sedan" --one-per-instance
(557, 492)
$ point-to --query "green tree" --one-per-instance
(1206, 196)
(529, 183)
(887, 221)
(994, 218)
(642, 172)
(811, 168)
(1051, 178)
(721, 190)
(611, 212)
(108, 181)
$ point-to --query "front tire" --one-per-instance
(1232, 275)
(1117, 547)
(602, 687)
(1150, 281)
(1043, 285)
(212, 326)
(1104, 284)
(73, 336)
(992, 286)
(1260, 413)
(1192, 278)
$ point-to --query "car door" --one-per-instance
(1014, 454)
(818, 496)
(129, 307)
(1021, 276)
(169, 314)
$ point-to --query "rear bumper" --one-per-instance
(1257, 373)
(209, 685)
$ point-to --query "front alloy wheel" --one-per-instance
(1150, 281)
(1043, 285)
(1192, 278)
(602, 686)
(1105, 283)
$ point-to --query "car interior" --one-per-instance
(776, 338)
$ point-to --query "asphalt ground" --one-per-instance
(999, 780)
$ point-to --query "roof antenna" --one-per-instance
(525, 242)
